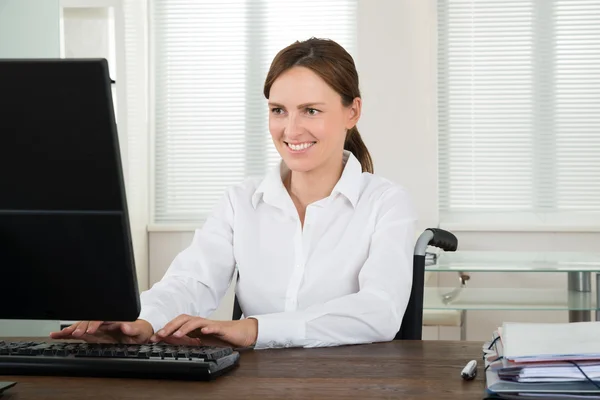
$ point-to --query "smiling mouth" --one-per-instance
(300, 146)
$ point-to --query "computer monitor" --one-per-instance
(65, 242)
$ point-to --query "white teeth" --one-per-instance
(298, 147)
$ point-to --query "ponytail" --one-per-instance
(356, 146)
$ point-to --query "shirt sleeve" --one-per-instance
(199, 276)
(375, 312)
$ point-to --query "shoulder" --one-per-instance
(242, 192)
(232, 198)
(387, 197)
(245, 188)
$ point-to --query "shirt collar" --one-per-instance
(272, 190)
(349, 183)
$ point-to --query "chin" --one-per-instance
(299, 165)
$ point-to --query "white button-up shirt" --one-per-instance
(343, 278)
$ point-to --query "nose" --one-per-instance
(292, 128)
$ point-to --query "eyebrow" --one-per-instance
(305, 105)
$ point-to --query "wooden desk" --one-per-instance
(400, 369)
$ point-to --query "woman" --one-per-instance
(322, 246)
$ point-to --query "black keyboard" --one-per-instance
(157, 360)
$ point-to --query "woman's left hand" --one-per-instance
(242, 333)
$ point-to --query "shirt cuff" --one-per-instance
(279, 330)
(157, 319)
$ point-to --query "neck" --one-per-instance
(308, 187)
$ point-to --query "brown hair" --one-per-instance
(336, 67)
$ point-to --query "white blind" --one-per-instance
(519, 105)
(135, 56)
(210, 59)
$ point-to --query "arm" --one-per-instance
(199, 276)
(375, 312)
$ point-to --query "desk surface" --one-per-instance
(400, 369)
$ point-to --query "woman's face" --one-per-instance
(307, 120)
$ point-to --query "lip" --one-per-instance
(289, 149)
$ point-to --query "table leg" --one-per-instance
(580, 284)
(463, 325)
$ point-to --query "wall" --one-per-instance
(164, 246)
(29, 29)
(397, 66)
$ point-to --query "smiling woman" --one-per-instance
(323, 247)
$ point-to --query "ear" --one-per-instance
(354, 113)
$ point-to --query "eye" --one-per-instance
(277, 110)
(312, 111)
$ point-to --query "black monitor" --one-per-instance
(65, 241)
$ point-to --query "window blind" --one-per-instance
(209, 62)
(519, 106)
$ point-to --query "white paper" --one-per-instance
(542, 341)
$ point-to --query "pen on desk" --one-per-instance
(469, 371)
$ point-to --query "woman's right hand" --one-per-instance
(136, 332)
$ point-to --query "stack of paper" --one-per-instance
(555, 361)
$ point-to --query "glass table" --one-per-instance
(576, 298)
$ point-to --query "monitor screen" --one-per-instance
(65, 242)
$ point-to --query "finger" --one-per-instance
(70, 328)
(130, 329)
(109, 333)
(182, 341)
(98, 337)
(185, 340)
(172, 326)
(213, 329)
(65, 332)
(211, 340)
(81, 329)
(191, 325)
(62, 334)
(110, 327)
(155, 339)
(93, 327)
